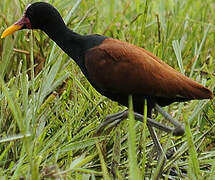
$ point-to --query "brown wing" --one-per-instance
(120, 67)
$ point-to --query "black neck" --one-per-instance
(69, 41)
(73, 44)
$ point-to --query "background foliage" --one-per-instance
(49, 112)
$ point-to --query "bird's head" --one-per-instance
(39, 15)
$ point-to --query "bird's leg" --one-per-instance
(155, 140)
(118, 117)
(179, 129)
(153, 123)
(160, 151)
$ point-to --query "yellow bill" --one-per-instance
(10, 30)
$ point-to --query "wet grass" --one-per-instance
(49, 112)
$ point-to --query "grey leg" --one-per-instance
(179, 129)
(118, 117)
(160, 151)
(155, 140)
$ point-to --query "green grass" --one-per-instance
(49, 115)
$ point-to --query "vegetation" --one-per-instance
(49, 112)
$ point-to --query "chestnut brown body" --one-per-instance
(117, 69)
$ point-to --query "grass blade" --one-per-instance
(134, 172)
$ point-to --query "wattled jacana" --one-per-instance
(117, 69)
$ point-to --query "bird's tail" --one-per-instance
(195, 90)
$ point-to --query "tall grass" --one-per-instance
(49, 112)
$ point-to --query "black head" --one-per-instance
(39, 15)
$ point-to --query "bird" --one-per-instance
(117, 69)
